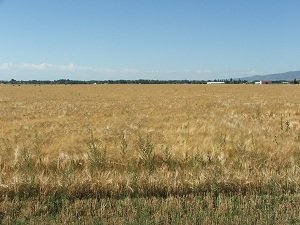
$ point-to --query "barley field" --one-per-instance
(150, 154)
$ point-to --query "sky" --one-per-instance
(147, 39)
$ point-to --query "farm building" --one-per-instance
(263, 82)
(215, 82)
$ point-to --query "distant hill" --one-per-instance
(288, 76)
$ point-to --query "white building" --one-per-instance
(263, 82)
(215, 82)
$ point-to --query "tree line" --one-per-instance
(139, 81)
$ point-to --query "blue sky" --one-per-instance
(151, 39)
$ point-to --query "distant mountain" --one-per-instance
(288, 76)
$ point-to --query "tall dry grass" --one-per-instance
(149, 140)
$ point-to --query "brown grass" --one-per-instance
(149, 140)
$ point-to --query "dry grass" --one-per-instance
(204, 209)
(149, 140)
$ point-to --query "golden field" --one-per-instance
(149, 141)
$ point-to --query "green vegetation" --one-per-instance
(189, 209)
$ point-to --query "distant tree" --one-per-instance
(13, 81)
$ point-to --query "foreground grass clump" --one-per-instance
(63, 147)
